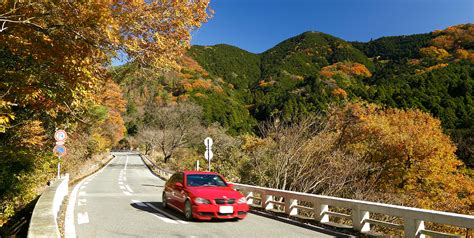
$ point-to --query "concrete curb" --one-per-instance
(44, 219)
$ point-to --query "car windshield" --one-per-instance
(195, 180)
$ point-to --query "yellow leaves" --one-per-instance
(30, 134)
(6, 115)
(417, 157)
(434, 67)
(434, 53)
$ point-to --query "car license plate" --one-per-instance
(226, 209)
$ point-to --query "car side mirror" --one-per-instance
(178, 185)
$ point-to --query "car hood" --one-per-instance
(214, 192)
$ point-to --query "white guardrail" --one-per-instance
(44, 218)
(413, 218)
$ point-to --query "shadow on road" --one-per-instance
(156, 208)
(327, 231)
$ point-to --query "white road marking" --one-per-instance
(82, 218)
(139, 203)
(129, 189)
(120, 183)
(83, 187)
(86, 183)
(124, 178)
(69, 227)
(81, 202)
(82, 193)
(122, 187)
(167, 214)
(127, 193)
(165, 219)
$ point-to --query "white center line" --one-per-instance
(82, 217)
(127, 193)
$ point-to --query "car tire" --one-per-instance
(164, 202)
(188, 210)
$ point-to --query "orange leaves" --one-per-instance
(461, 54)
(190, 85)
(339, 92)
(455, 37)
(345, 68)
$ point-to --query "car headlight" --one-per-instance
(202, 201)
(242, 200)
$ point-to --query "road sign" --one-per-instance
(208, 155)
(60, 150)
(60, 135)
(208, 142)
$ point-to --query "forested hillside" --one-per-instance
(432, 72)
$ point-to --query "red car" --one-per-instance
(203, 196)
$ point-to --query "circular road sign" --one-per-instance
(60, 135)
(60, 150)
(208, 155)
(208, 142)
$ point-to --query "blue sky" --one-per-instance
(257, 25)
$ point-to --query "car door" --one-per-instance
(178, 193)
(169, 189)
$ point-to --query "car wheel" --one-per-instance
(188, 210)
(164, 202)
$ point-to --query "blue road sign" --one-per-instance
(60, 150)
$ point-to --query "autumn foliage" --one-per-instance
(412, 157)
(345, 68)
(54, 69)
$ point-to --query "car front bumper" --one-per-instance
(210, 211)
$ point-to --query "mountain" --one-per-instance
(306, 73)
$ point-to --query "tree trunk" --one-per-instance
(167, 157)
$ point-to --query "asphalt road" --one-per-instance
(124, 200)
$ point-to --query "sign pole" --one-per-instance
(59, 167)
(197, 165)
(60, 150)
(209, 160)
